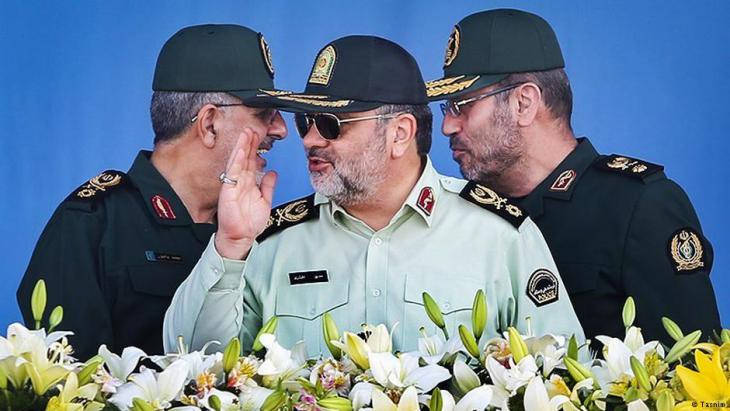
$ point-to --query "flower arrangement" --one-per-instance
(513, 372)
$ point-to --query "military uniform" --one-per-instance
(112, 255)
(449, 239)
(618, 227)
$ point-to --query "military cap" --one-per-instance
(486, 47)
(216, 58)
(358, 73)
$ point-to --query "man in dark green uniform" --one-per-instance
(616, 226)
(116, 249)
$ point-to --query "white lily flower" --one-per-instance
(361, 395)
(229, 401)
(252, 398)
(403, 371)
(159, 392)
(119, 367)
(536, 397)
(464, 377)
(617, 355)
(408, 401)
(433, 349)
(637, 405)
(508, 380)
(478, 398)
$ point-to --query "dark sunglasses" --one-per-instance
(329, 124)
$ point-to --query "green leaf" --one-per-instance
(268, 328)
(38, 302)
(479, 314)
(231, 354)
(629, 312)
(672, 329)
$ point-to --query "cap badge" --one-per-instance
(323, 66)
(452, 46)
(266, 52)
(162, 208)
(426, 200)
(564, 180)
(624, 163)
(99, 183)
(543, 287)
(686, 250)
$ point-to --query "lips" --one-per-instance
(317, 164)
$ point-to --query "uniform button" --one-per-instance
(376, 293)
(378, 241)
(215, 270)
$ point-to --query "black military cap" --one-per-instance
(486, 47)
(216, 58)
(358, 73)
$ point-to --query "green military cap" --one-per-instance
(216, 58)
(358, 73)
(486, 47)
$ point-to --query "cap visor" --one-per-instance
(450, 87)
(315, 103)
(255, 98)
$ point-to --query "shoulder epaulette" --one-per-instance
(490, 200)
(627, 166)
(288, 215)
(98, 187)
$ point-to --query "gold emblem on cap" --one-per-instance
(452, 46)
(686, 250)
(266, 51)
(323, 66)
(448, 85)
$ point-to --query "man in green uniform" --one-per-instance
(116, 249)
(616, 225)
(383, 227)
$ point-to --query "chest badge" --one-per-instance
(686, 250)
(308, 277)
(564, 180)
(426, 200)
(543, 287)
(162, 208)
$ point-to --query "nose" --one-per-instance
(451, 125)
(313, 138)
(277, 129)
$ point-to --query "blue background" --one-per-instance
(649, 78)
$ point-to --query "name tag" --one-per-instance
(154, 256)
(308, 277)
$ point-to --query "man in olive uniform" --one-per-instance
(616, 225)
(116, 249)
(383, 227)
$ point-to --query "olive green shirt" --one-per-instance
(326, 260)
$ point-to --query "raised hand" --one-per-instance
(243, 206)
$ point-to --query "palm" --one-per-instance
(244, 207)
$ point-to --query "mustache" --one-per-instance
(455, 145)
(320, 153)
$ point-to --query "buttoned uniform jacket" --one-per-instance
(618, 227)
(112, 255)
(450, 238)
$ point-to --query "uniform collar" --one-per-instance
(423, 198)
(561, 183)
(161, 200)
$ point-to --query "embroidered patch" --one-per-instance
(288, 215)
(449, 85)
(323, 66)
(452, 46)
(100, 183)
(426, 200)
(628, 166)
(162, 208)
(686, 251)
(153, 256)
(489, 199)
(266, 52)
(564, 180)
(543, 287)
(308, 277)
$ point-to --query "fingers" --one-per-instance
(251, 142)
(268, 182)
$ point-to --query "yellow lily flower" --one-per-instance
(709, 383)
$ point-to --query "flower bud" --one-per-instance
(231, 354)
(682, 346)
(335, 403)
(672, 329)
(38, 302)
(436, 403)
(268, 328)
(330, 332)
(479, 314)
(55, 318)
(629, 312)
(517, 345)
(433, 311)
(468, 340)
(642, 377)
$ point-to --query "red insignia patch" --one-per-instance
(564, 180)
(162, 208)
(426, 200)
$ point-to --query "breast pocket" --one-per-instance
(453, 295)
(300, 309)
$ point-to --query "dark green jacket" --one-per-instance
(618, 227)
(113, 255)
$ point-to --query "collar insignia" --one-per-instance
(288, 215)
(543, 287)
(564, 180)
(490, 200)
(426, 200)
(685, 248)
(162, 208)
(323, 66)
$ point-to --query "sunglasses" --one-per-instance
(329, 124)
(453, 108)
